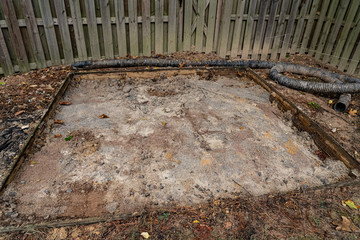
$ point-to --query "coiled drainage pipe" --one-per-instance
(334, 83)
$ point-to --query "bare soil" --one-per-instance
(24, 98)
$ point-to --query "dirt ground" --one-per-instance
(323, 213)
(24, 98)
(165, 141)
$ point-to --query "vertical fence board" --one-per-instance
(309, 26)
(92, 28)
(335, 59)
(78, 29)
(146, 31)
(33, 32)
(326, 29)
(200, 26)
(120, 27)
(210, 31)
(218, 20)
(180, 14)
(279, 30)
(350, 44)
(224, 29)
(133, 28)
(316, 35)
(354, 62)
(187, 24)
(299, 27)
(237, 28)
(5, 59)
(106, 26)
(269, 29)
(289, 28)
(15, 35)
(64, 31)
(249, 29)
(50, 32)
(172, 32)
(260, 27)
(159, 27)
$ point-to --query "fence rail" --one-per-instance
(39, 33)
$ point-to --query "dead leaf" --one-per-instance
(65, 103)
(103, 116)
(19, 112)
(181, 65)
(351, 204)
(57, 136)
(228, 225)
(145, 235)
(59, 122)
(347, 226)
(353, 112)
(164, 123)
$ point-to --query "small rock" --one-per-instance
(323, 180)
(142, 99)
(156, 203)
(111, 207)
(147, 194)
(14, 214)
(23, 182)
(126, 95)
(144, 109)
(127, 89)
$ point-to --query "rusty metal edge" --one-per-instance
(36, 132)
(304, 123)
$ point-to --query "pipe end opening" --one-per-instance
(340, 107)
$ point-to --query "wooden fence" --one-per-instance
(40, 33)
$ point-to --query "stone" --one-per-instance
(127, 89)
(111, 207)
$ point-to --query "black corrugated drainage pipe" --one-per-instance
(335, 83)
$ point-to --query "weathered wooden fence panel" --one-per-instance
(40, 33)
